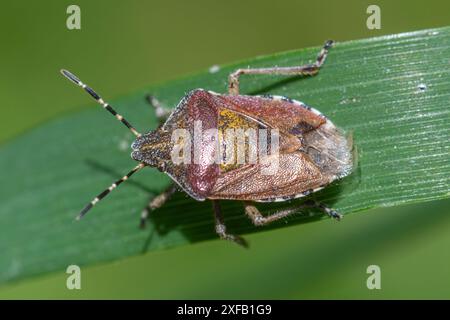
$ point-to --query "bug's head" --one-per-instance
(153, 149)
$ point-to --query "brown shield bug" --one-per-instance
(237, 159)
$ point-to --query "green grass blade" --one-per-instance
(392, 92)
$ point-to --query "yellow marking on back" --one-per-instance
(231, 120)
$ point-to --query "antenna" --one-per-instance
(107, 191)
(97, 98)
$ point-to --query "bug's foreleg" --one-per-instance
(259, 220)
(157, 202)
(161, 112)
(309, 69)
(221, 229)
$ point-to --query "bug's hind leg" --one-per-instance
(259, 220)
(308, 69)
(161, 112)
(157, 202)
(329, 211)
(221, 229)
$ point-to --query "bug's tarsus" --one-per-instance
(321, 57)
(221, 229)
(155, 203)
(161, 112)
(97, 98)
(329, 211)
(328, 44)
(309, 69)
(105, 192)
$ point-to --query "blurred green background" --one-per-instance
(143, 42)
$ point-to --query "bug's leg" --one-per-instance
(309, 69)
(107, 191)
(161, 112)
(258, 219)
(221, 229)
(329, 211)
(99, 100)
(157, 202)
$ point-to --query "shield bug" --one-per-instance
(303, 153)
